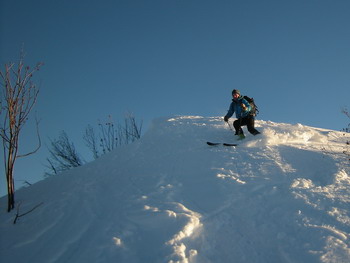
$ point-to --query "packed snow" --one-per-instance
(281, 196)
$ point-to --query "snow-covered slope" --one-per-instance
(282, 196)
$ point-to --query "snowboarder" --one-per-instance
(244, 115)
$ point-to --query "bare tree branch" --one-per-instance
(63, 155)
(39, 141)
(18, 215)
(91, 141)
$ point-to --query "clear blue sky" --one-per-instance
(168, 57)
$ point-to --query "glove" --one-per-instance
(226, 119)
(244, 107)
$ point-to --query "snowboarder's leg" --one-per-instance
(250, 126)
(238, 126)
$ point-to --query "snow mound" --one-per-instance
(281, 196)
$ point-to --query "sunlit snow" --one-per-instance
(282, 196)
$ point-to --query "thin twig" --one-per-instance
(31, 210)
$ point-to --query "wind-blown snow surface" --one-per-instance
(282, 196)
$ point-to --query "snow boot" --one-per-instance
(241, 136)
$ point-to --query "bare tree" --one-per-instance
(108, 135)
(91, 141)
(347, 113)
(63, 155)
(131, 130)
(347, 130)
(111, 135)
(18, 97)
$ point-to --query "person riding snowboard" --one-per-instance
(243, 110)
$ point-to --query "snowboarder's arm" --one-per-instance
(230, 111)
